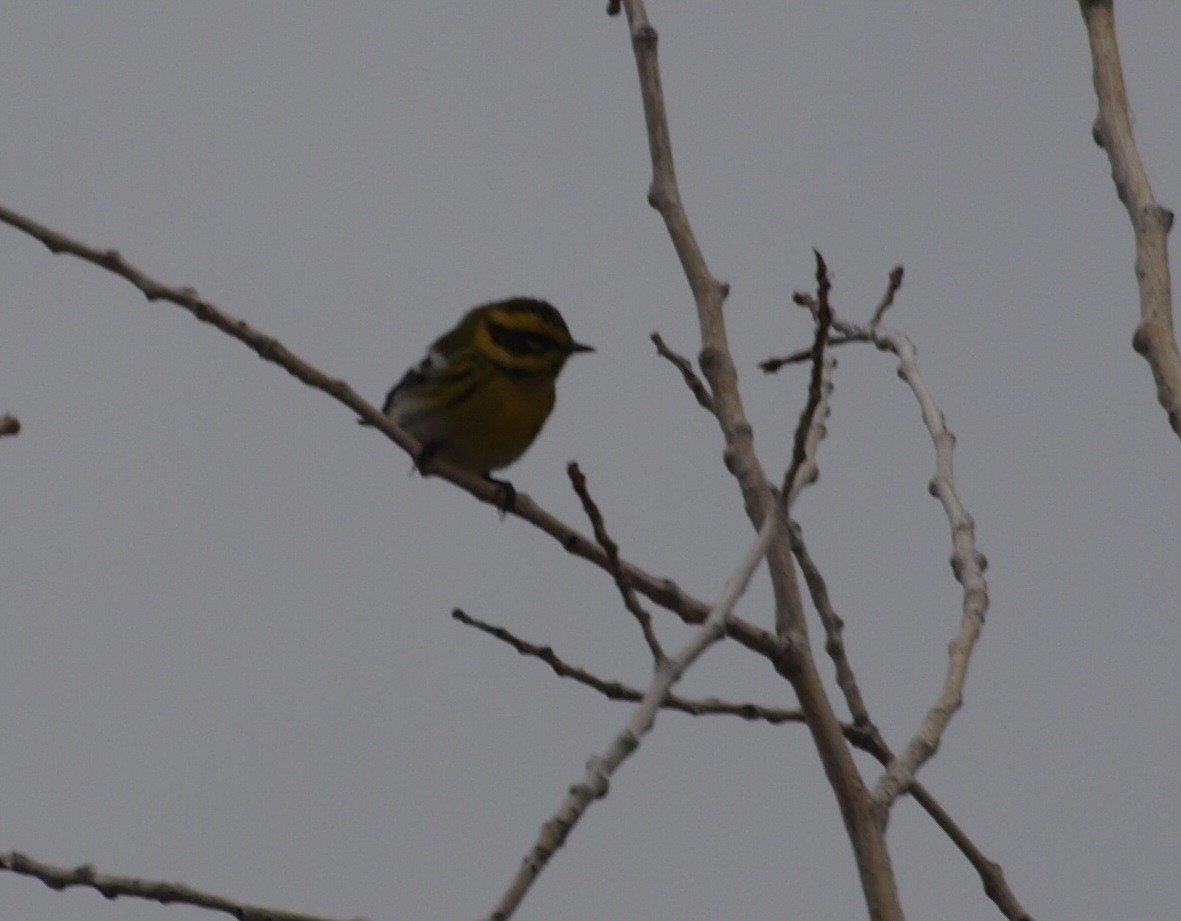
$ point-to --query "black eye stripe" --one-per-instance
(521, 342)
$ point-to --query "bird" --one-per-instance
(485, 388)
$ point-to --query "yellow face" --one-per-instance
(522, 337)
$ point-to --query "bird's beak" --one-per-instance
(579, 347)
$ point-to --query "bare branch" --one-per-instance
(600, 767)
(864, 824)
(630, 601)
(990, 872)
(810, 429)
(9, 425)
(833, 628)
(681, 363)
(967, 564)
(615, 690)
(772, 365)
(112, 887)
(1155, 338)
(888, 298)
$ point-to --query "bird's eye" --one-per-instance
(518, 342)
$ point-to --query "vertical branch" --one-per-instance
(864, 823)
(1155, 338)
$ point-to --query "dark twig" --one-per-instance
(771, 365)
(810, 428)
(834, 643)
(887, 298)
(615, 690)
(630, 601)
(9, 424)
(681, 363)
(112, 887)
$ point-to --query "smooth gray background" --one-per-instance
(227, 656)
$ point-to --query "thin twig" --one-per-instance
(615, 690)
(630, 601)
(1155, 338)
(112, 887)
(887, 300)
(600, 767)
(771, 365)
(834, 643)
(991, 874)
(810, 429)
(681, 363)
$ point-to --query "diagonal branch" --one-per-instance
(600, 767)
(1155, 338)
(692, 381)
(615, 690)
(630, 601)
(113, 887)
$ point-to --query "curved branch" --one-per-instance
(967, 564)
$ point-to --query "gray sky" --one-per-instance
(227, 654)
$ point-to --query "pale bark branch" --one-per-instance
(967, 565)
(864, 823)
(601, 767)
(1155, 337)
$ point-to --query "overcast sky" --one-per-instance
(227, 652)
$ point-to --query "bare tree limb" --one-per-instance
(865, 735)
(600, 767)
(113, 887)
(810, 430)
(967, 564)
(615, 690)
(864, 823)
(1155, 338)
(833, 628)
(630, 601)
(681, 363)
